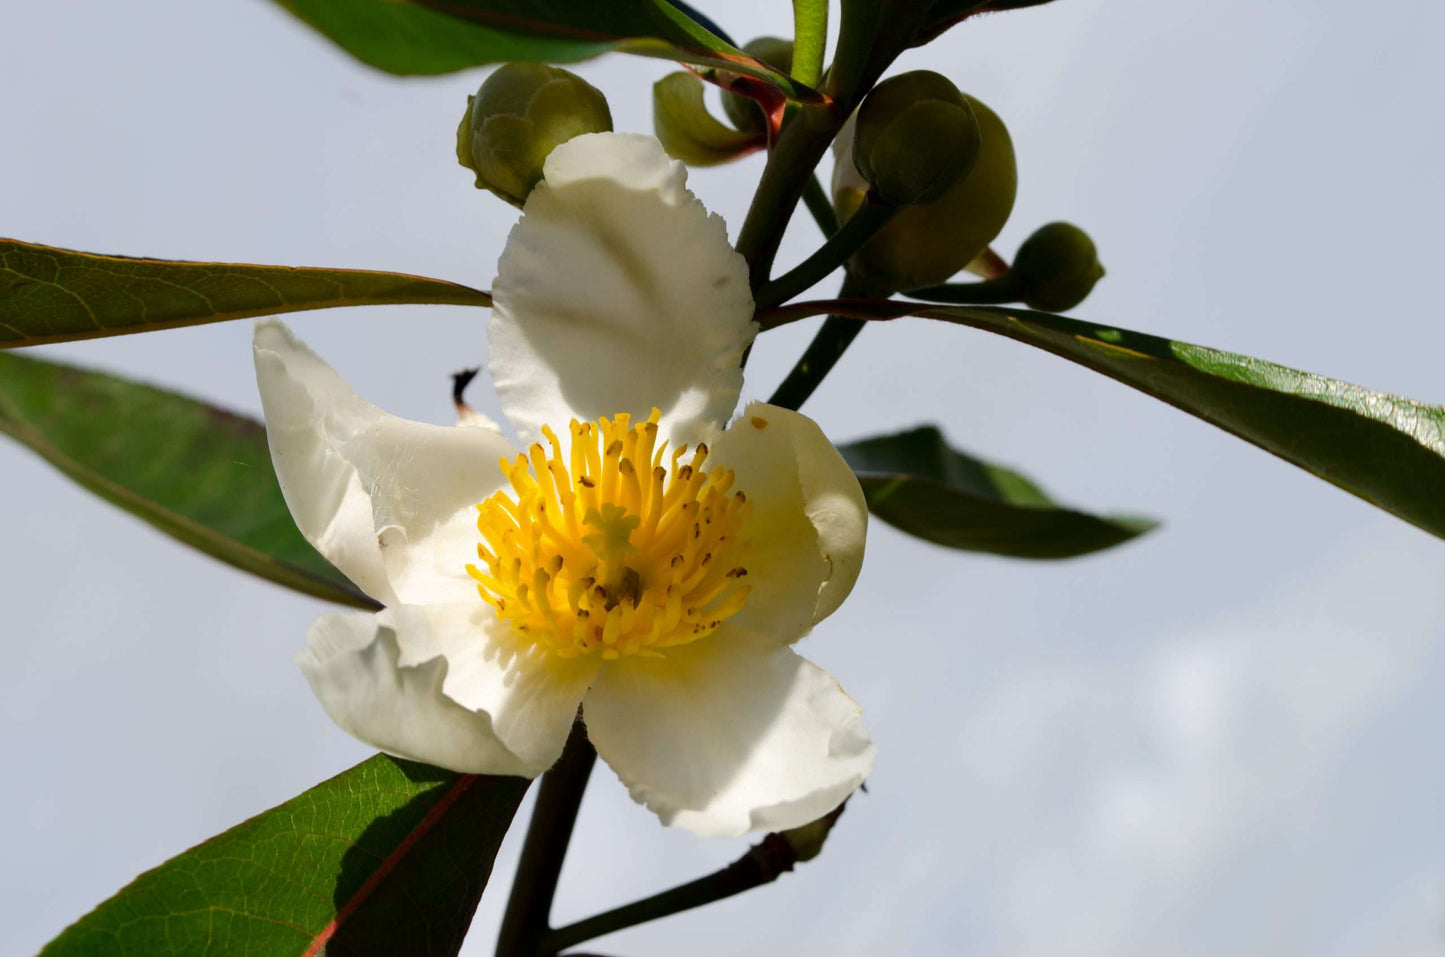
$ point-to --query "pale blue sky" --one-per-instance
(1223, 738)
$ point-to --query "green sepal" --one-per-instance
(688, 131)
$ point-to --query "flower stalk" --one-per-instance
(823, 353)
(872, 216)
(525, 922)
(764, 863)
(801, 144)
(988, 292)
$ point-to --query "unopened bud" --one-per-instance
(916, 136)
(745, 113)
(1056, 267)
(925, 244)
(522, 112)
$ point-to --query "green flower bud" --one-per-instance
(915, 137)
(521, 113)
(1056, 267)
(925, 244)
(745, 113)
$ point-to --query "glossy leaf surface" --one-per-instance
(1388, 450)
(429, 36)
(915, 482)
(195, 472)
(54, 295)
(387, 858)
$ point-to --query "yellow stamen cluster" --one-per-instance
(617, 547)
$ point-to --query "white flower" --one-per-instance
(636, 559)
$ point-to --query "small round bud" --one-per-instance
(925, 244)
(745, 113)
(1056, 267)
(916, 136)
(522, 112)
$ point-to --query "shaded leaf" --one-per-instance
(387, 858)
(1388, 450)
(945, 13)
(197, 473)
(410, 37)
(54, 295)
(915, 482)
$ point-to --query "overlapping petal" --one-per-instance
(388, 501)
(809, 523)
(729, 735)
(444, 684)
(618, 292)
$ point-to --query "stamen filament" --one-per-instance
(585, 553)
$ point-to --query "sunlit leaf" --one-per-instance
(54, 295)
(389, 857)
(1388, 450)
(430, 36)
(915, 482)
(195, 472)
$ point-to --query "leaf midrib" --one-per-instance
(310, 583)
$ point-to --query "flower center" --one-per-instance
(609, 550)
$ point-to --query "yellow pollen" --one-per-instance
(615, 548)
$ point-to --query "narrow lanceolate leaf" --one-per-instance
(1388, 450)
(442, 36)
(915, 482)
(197, 473)
(54, 295)
(389, 857)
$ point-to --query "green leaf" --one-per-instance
(197, 473)
(389, 857)
(916, 483)
(410, 37)
(55, 295)
(1388, 450)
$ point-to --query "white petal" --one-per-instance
(446, 685)
(390, 502)
(845, 171)
(728, 735)
(809, 519)
(617, 292)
